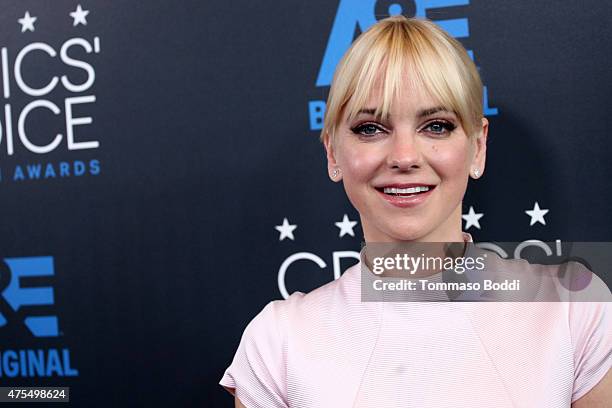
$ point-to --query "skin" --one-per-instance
(409, 148)
(600, 396)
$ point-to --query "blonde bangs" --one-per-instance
(379, 59)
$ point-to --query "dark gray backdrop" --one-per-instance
(202, 117)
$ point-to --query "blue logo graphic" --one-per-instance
(17, 295)
(25, 298)
(357, 16)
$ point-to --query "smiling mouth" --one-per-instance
(405, 192)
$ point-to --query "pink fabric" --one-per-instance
(328, 349)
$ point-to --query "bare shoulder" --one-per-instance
(598, 397)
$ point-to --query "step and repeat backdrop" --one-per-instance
(161, 177)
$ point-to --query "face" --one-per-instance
(407, 175)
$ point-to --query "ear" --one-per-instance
(332, 164)
(480, 152)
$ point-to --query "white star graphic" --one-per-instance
(537, 214)
(79, 16)
(346, 226)
(471, 219)
(286, 230)
(27, 22)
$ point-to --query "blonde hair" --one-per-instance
(384, 52)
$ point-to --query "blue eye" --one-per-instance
(439, 127)
(367, 129)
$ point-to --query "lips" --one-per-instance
(405, 194)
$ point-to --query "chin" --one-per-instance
(409, 236)
(410, 232)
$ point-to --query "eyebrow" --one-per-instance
(420, 114)
(428, 112)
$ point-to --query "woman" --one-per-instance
(404, 130)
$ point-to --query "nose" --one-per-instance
(404, 151)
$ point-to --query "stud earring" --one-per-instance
(476, 173)
(335, 173)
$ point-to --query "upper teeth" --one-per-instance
(411, 190)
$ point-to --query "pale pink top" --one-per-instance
(327, 348)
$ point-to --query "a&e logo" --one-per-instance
(25, 298)
(356, 16)
(16, 299)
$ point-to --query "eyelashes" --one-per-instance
(440, 127)
(436, 127)
(367, 129)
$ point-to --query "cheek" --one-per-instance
(451, 161)
(360, 163)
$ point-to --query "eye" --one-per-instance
(367, 129)
(439, 127)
